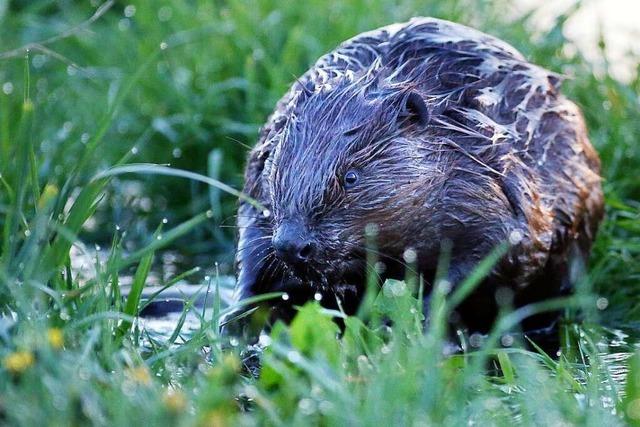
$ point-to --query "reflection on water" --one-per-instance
(180, 309)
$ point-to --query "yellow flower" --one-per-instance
(215, 418)
(175, 400)
(140, 375)
(56, 338)
(18, 361)
(49, 193)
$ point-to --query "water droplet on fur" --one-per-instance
(515, 237)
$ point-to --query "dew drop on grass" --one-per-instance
(285, 297)
(445, 286)
(163, 45)
(507, 340)
(264, 340)
(176, 153)
(27, 233)
(98, 248)
(602, 303)
(207, 278)
(233, 341)
(476, 340)
(84, 138)
(38, 61)
(129, 11)
(307, 406)
(266, 213)
(165, 220)
(124, 24)
(7, 88)
(209, 213)
(117, 227)
(371, 230)
(164, 14)
(83, 374)
(134, 150)
(317, 296)
(410, 256)
(294, 356)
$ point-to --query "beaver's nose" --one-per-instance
(292, 244)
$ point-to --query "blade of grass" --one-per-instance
(155, 169)
(133, 299)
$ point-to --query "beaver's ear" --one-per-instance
(415, 110)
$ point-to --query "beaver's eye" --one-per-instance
(350, 179)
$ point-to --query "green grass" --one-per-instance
(79, 116)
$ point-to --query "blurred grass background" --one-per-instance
(188, 83)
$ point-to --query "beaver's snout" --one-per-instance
(293, 244)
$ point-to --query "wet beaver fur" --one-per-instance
(433, 132)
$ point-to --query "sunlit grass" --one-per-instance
(166, 83)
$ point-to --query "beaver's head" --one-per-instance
(348, 157)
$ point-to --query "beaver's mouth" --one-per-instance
(328, 274)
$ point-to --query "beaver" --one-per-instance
(431, 132)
